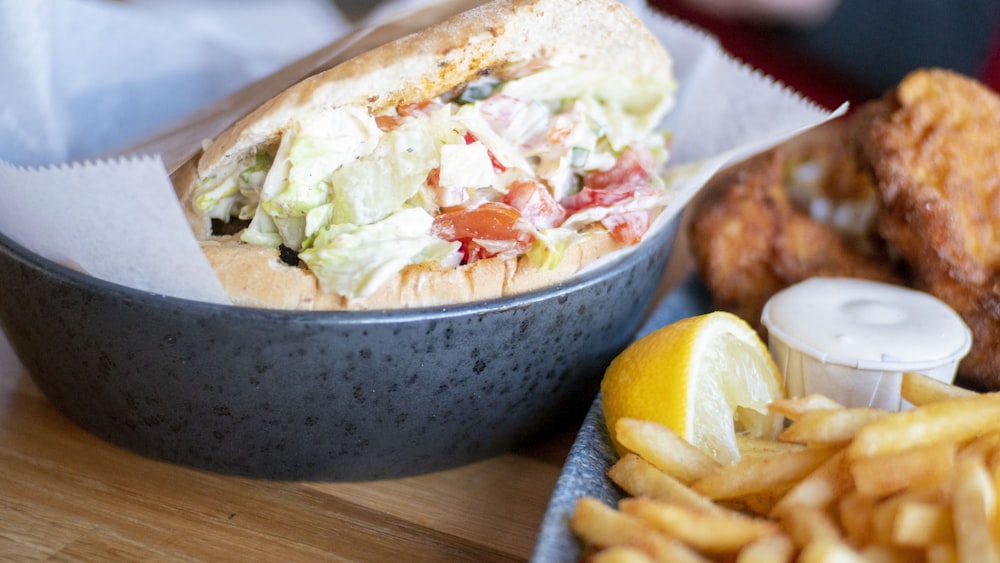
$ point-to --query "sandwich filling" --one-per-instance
(521, 162)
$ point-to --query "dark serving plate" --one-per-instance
(320, 395)
(592, 454)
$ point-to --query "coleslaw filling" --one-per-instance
(501, 167)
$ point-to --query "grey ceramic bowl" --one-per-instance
(320, 395)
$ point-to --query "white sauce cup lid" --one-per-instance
(867, 325)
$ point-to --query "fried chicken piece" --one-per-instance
(795, 212)
(933, 147)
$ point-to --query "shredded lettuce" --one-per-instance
(354, 260)
(550, 246)
(370, 188)
(646, 98)
(310, 152)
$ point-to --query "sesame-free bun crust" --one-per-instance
(255, 276)
(593, 34)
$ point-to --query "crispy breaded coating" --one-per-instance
(933, 147)
(792, 213)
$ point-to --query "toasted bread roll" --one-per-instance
(392, 176)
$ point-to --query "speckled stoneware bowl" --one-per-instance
(320, 395)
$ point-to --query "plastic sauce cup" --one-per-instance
(852, 339)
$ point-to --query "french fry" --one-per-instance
(921, 524)
(820, 488)
(974, 512)
(889, 473)
(983, 447)
(880, 553)
(838, 485)
(599, 524)
(775, 548)
(621, 554)
(710, 532)
(829, 426)
(919, 389)
(941, 553)
(664, 448)
(794, 407)
(882, 518)
(830, 551)
(751, 475)
(638, 477)
(856, 518)
(760, 502)
(950, 420)
(764, 447)
(806, 525)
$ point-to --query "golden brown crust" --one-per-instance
(934, 154)
(932, 147)
(928, 150)
(751, 233)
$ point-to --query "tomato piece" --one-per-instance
(630, 168)
(589, 197)
(418, 108)
(491, 222)
(404, 112)
(562, 128)
(445, 197)
(388, 122)
(629, 176)
(499, 110)
(498, 166)
(535, 203)
(628, 227)
(473, 251)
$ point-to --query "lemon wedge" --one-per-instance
(708, 378)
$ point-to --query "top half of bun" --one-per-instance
(592, 34)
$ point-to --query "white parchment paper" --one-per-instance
(118, 219)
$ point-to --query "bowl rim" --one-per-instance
(664, 234)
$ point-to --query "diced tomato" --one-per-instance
(628, 227)
(498, 167)
(629, 176)
(473, 251)
(631, 168)
(388, 122)
(434, 177)
(499, 110)
(445, 197)
(589, 197)
(493, 221)
(527, 67)
(418, 108)
(404, 112)
(535, 203)
(562, 128)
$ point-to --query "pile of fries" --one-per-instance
(839, 484)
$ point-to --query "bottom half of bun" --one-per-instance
(255, 276)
